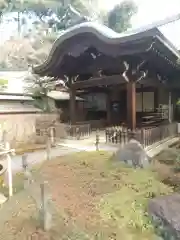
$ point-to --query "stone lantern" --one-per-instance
(3, 169)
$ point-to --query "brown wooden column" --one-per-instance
(72, 103)
(108, 107)
(156, 100)
(170, 107)
(131, 105)
(142, 98)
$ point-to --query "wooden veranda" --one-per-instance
(96, 59)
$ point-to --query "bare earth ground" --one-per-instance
(93, 198)
(30, 147)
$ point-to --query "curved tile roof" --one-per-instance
(107, 36)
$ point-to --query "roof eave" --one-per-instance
(107, 36)
(103, 33)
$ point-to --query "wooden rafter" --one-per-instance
(163, 56)
(100, 81)
(149, 81)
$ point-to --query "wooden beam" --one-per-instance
(111, 80)
(142, 98)
(108, 107)
(156, 100)
(140, 47)
(131, 105)
(96, 89)
(170, 107)
(145, 89)
(102, 62)
(151, 82)
(72, 103)
(100, 81)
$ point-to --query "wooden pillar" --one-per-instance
(72, 104)
(174, 104)
(156, 102)
(131, 105)
(142, 98)
(108, 107)
(170, 108)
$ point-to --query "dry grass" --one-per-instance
(95, 198)
(22, 222)
(167, 165)
(29, 147)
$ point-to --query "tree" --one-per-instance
(61, 14)
(37, 7)
(119, 18)
(57, 14)
(67, 17)
(8, 6)
(33, 48)
(5, 7)
(19, 53)
(39, 87)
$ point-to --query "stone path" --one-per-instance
(69, 147)
(88, 147)
(39, 156)
(61, 150)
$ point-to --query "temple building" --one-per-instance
(130, 79)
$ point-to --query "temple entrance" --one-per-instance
(130, 79)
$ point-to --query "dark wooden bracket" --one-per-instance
(124, 74)
(162, 79)
(136, 74)
(143, 74)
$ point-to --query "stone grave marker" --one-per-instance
(133, 154)
(165, 213)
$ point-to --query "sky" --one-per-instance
(154, 10)
(148, 12)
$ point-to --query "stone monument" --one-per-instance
(133, 154)
(164, 211)
(3, 169)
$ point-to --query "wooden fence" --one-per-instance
(79, 131)
(147, 136)
(157, 134)
(95, 124)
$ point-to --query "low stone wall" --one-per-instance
(49, 125)
(20, 127)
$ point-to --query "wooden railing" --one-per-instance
(95, 124)
(146, 136)
(157, 134)
(117, 135)
(79, 131)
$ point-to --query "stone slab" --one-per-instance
(133, 154)
(166, 209)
